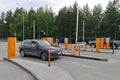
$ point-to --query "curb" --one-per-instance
(36, 78)
(98, 52)
(84, 57)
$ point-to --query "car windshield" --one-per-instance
(43, 43)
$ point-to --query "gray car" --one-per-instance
(39, 48)
(115, 44)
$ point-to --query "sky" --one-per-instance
(56, 5)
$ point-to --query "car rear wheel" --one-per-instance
(93, 45)
(22, 53)
(44, 56)
(114, 46)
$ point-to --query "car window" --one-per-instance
(27, 43)
(34, 43)
(43, 43)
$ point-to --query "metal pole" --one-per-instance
(77, 25)
(83, 30)
(119, 27)
(47, 29)
(34, 29)
(113, 46)
(23, 23)
(49, 58)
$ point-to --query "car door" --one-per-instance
(35, 49)
(27, 47)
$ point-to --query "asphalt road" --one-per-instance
(83, 69)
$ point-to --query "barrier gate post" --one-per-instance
(11, 47)
(52, 41)
(84, 46)
(102, 43)
(97, 44)
(45, 38)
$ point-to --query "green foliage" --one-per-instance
(97, 22)
(112, 18)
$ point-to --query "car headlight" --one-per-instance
(89, 42)
(59, 52)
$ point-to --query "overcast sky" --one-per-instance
(55, 4)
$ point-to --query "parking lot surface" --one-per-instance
(84, 69)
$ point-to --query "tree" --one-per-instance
(66, 21)
(87, 17)
(62, 21)
(112, 18)
(2, 25)
(96, 19)
(29, 23)
(45, 21)
(16, 26)
(9, 19)
(97, 22)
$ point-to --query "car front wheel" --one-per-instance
(44, 56)
(93, 45)
(22, 53)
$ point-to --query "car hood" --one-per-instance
(92, 42)
(52, 48)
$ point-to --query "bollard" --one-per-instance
(11, 47)
(66, 43)
(49, 58)
(84, 46)
(66, 46)
(79, 50)
(102, 43)
(72, 50)
(75, 50)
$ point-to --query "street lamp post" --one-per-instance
(34, 29)
(77, 25)
(23, 25)
(83, 31)
(119, 28)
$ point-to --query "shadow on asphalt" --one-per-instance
(36, 59)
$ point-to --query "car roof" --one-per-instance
(33, 40)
